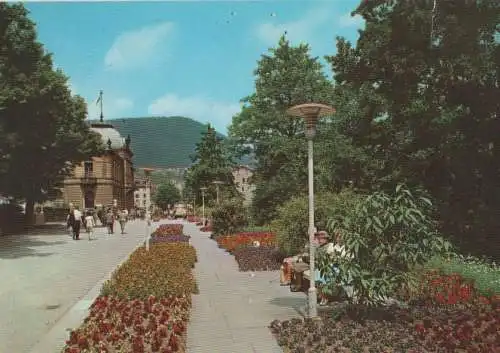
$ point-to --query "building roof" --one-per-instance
(109, 133)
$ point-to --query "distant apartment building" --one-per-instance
(242, 175)
(143, 194)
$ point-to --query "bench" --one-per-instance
(300, 277)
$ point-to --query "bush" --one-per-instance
(228, 218)
(164, 270)
(261, 258)
(292, 224)
(387, 236)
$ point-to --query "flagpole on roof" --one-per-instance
(99, 101)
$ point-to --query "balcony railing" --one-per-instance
(88, 179)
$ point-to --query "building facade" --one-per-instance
(242, 175)
(143, 194)
(104, 180)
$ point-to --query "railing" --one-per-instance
(88, 178)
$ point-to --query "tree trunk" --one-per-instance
(30, 211)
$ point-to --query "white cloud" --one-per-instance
(351, 21)
(137, 48)
(219, 114)
(112, 108)
(301, 30)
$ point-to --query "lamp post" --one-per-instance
(147, 172)
(203, 189)
(311, 112)
(217, 183)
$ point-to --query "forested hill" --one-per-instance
(161, 142)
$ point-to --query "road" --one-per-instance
(44, 275)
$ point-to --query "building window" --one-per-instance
(144, 195)
(88, 167)
(144, 203)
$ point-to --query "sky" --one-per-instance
(187, 58)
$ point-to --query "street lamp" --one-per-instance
(147, 172)
(311, 112)
(217, 183)
(203, 189)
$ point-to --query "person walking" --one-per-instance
(77, 223)
(110, 221)
(89, 224)
(70, 219)
(122, 217)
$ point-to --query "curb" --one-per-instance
(55, 339)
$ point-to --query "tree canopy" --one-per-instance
(427, 108)
(416, 101)
(166, 194)
(42, 125)
(211, 162)
(284, 77)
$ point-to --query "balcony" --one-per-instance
(88, 179)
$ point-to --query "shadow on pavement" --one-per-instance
(296, 303)
(17, 246)
(47, 229)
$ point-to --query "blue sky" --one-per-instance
(189, 58)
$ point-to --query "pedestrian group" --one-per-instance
(75, 221)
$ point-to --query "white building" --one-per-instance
(142, 194)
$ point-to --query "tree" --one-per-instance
(166, 194)
(286, 77)
(42, 125)
(428, 110)
(211, 162)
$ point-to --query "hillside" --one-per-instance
(161, 142)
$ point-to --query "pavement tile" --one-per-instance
(247, 302)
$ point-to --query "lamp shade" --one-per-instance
(311, 112)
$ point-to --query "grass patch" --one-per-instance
(486, 276)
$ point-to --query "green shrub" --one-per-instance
(388, 236)
(228, 218)
(291, 226)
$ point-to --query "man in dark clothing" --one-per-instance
(77, 216)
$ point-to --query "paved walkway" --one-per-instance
(45, 275)
(233, 309)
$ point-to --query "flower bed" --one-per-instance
(168, 229)
(178, 238)
(232, 242)
(144, 307)
(258, 259)
(447, 317)
(193, 219)
(137, 326)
